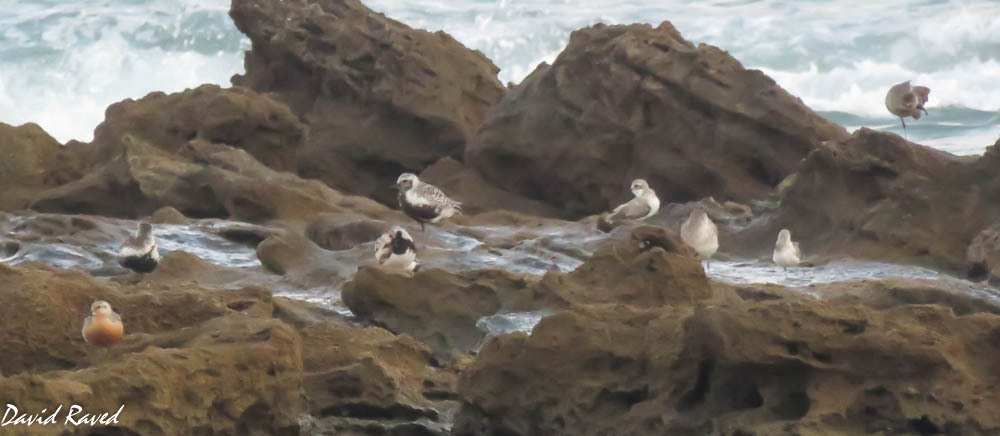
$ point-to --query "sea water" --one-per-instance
(62, 62)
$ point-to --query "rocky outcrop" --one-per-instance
(434, 306)
(202, 179)
(876, 196)
(983, 255)
(238, 117)
(476, 194)
(771, 367)
(380, 98)
(624, 102)
(31, 161)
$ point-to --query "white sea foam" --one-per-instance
(62, 63)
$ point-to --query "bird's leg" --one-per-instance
(786, 272)
(904, 127)
(708, 262)
(421, 225)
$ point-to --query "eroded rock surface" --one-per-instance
(624, 102)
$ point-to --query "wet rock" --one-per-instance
(643, 266)
(168, 215)
(983, 255)
(343, 231)
(379, 97)
(434, 306)
(769, 367)
(201, 180)
(623, 102)
(876, 196)
(31, 161)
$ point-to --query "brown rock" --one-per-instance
(983, 255)
(478, 195)
(876, 196)
(202, 180)
(239, 117)
(379, 97)
(168, 215)
(643, 266)
(434, 306)
(773, 367)
(623, 102)
(343, 231)
(31, 161)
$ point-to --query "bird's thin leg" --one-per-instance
(421, 225)
(709, 264)
(786, 272)
(904, 127)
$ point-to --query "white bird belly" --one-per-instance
(406, 261)
(785, 256)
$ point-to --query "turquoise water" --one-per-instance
(62, 62)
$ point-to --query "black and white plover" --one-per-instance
(904, 100)
(786, 252)
(699, 232)
(396, 250)
(103, 327)
(139, 253)
(423, 202)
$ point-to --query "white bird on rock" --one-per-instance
(644, 205)
(423, 202)
(786, 252)
(699, 232)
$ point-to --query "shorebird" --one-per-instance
(423, 202)
(103, 327)
(644, 205)
(139, 253)
(395, 249)
(700, 233)
(786, 252)
(904, 100)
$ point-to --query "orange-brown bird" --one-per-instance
(103, 327)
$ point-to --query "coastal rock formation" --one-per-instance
(434, 306)
(238, 117)
(772, 367)
(983, 255)
(624, 102)
(874, 195)
(31, 161)
(380, 98)
(202, 179)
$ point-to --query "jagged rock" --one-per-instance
(201, 180)
(168, 215)
(379, 97)
(983, 255)
(31, 161)
(239, 117)
(643, 266)
(343, 231)
(624, 102)
(478, 195)
(874, 195)
(770, 367)
(434, 306)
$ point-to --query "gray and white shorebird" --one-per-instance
(423, 202)
(904, 100)
(699, 232)
(644, 205)
(139, 253)
(786, 252)
(395, 249)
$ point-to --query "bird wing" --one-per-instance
(435, 197)
(116, 317)
(633, 209)
(382, 247)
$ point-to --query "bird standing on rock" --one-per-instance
(644, 205)
(139, 253)
(423, 202)
(103, 327)
(700, 233)
(395, 249)
(904, 100)
(786, 252)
